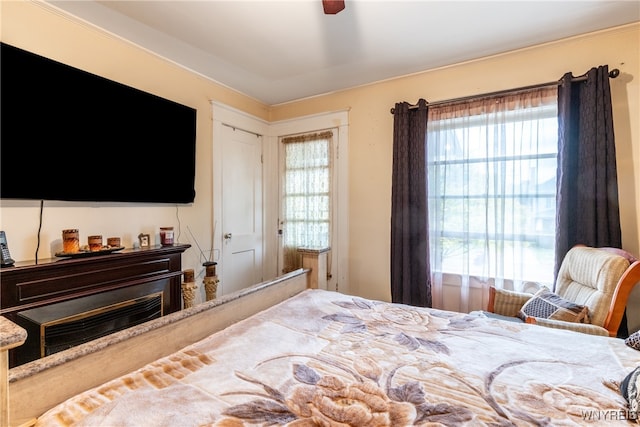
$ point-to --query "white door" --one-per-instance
(241, 225)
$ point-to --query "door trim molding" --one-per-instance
(330, 120)
(223, 115)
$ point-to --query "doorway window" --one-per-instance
(306, 195)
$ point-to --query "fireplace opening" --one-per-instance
(62, 326)
(66, 333)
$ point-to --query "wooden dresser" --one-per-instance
(85, 291)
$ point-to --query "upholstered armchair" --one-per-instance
(590, 295)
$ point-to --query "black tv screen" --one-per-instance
(70, 135)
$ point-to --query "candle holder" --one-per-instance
(189, 287)
(210, 280)
(166, 236)
(71, 241)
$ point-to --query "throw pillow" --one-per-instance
(629, 256)
(506, 302)
(548, 305)
(633, 340)
(629, 389)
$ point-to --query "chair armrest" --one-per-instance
(625, 285)
(585, 328)
(506, 302)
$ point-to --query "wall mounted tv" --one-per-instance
(70, 135)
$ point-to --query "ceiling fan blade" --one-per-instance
(331, 7)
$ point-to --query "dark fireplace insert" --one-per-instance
(67, 324)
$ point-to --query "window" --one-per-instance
(492, 186)
(307, 204)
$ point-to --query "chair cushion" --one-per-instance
(633, 340)
(548, 305)
(588, 276)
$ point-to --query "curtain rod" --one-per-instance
(612, 74)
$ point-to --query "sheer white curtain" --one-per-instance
(491, 185)
(306, 211)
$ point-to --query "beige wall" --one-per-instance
(371, 130)
(42, 30)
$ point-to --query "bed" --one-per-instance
(324, 358)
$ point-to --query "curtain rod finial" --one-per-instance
(614, 73)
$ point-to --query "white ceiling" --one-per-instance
(279, 51)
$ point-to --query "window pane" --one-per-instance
(492, 187)
(306, 199)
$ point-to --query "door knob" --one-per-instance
(227, 236)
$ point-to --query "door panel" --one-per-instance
(241, 209)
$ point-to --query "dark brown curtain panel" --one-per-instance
(587, 193)
(410, 275)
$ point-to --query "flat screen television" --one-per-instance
(70, 135)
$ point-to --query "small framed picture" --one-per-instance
(145, 240)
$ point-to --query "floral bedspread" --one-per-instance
(326, 359)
